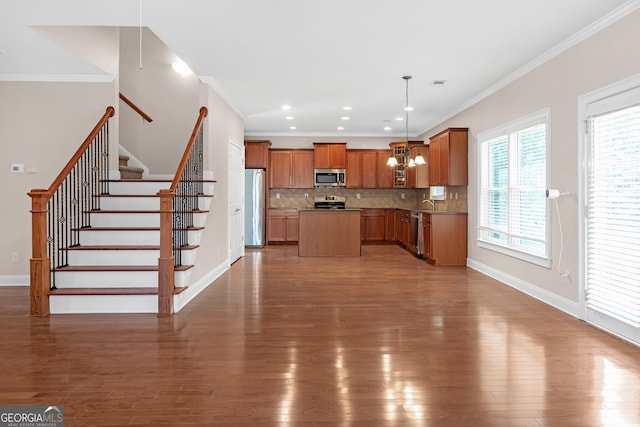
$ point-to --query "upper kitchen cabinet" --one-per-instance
(256, 154)
(448, 157)
(403, 175)
(385, 173)
(329, 155)
(291, 169)
(362, 169)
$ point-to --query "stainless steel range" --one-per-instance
(329, 202)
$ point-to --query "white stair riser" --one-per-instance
(140, 187)
(107, 279)
(137, 219)
(115, 203)
(130, 203)
(81, 257)
(80, 304)
(119, 237)
(115, 279)
(133, 237)
(125, 220)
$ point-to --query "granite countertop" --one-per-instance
(438, 212)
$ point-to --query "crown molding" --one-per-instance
(590, 30)
(62, 78)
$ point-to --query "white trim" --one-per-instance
(14, 281)
(591, 29)
(61, 78)
(584, 100)
(182, 299)
(549, 298)
(267, 134)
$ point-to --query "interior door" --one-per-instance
(236, 200)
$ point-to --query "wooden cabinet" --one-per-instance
(445, 238)
(291, 169)
(282, 225)
(390, 225)
(372, 225)
(448, 157)
(404, 176)
(330, 155)
(385, 173)
(256, 154)
(405, 225)
(418, 176)
(362, 169)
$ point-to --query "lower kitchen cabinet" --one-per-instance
(282, 225)
(390, 225)
(372, 225)
(444, 238)
(404, 224)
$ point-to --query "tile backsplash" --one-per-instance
(371, 198)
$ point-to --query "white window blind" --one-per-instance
(513, 215)
(613, 220)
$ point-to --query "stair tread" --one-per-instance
(155, 180)
(106, 268)
(110, 291)
(130, 168)
(97, 211)
(122, 247)
(150, 195)
(133, 229)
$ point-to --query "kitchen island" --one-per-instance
(329, 232)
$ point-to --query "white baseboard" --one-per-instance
(14, 281)
(194, 289)
(560, 303)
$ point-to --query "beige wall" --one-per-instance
(605, 58)
(168, 97)
(221, 124)
(41, 126)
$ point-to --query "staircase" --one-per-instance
(114, 269)
(126, 171)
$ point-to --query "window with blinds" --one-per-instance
(612, 276)
(513, 213)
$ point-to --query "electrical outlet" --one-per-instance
(357, 195)
(402, 196)
(15, 257)
(277, 195)
(306, 195)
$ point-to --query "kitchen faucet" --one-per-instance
(432, 203)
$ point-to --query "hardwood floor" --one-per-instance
(379, 340)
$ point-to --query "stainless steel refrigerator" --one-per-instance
(255, 208)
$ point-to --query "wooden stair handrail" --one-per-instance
(135, 108)
(187, 151)
(166, 261)
(74, 159)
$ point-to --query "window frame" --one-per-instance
(506, 130)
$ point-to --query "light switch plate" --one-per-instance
(17, 168)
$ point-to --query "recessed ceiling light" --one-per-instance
(387, 128)
(286, 107)
(409, 108)
(347, 108)
(345, 118)
(289, 117)
(399, 119)
(293, 127)
(439, 82)
(340, 128)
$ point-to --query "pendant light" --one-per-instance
(409, 161)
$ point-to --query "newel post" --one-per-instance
(166, 261)
(40, 264)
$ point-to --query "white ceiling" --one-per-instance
(319, 56)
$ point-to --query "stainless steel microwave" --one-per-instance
(329, 178)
